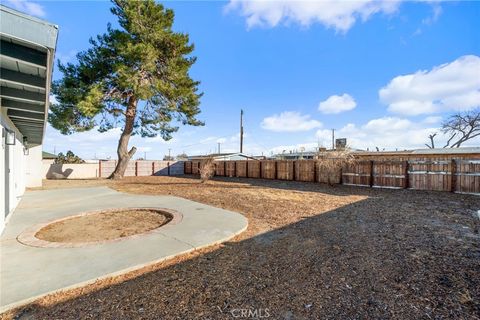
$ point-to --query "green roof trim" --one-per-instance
(48, 155)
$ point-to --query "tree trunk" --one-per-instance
(124, 155)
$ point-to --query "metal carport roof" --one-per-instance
(27, 50)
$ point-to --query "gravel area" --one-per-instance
(311, 252)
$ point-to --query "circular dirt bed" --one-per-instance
(103, 226)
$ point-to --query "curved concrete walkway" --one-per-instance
(27, 272)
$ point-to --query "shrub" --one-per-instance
(207, 169)
(70, 157)
(330, 164)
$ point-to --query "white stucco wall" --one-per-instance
(14, 161)
(69, 171)
(34, 167)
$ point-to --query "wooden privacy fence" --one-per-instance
(140, 168)
(448, 174)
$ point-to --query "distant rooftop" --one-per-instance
(219, 156)
(48, 155)
(466, 150)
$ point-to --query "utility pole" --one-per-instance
(241, 130)
(333, 139)
(218, 147)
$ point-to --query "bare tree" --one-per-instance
(432, 142)
(462, 127)
(459, 128)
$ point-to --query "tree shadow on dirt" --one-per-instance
(369, 259)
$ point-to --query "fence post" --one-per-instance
(406, 179)
(276, 170)
(294, 170)
(136, 168)
(153, 168)
(246, 168)
(260, 175)
(341, 175)
(453, 178)
(234, 169)
(371, 173)
(168, 168)
(315, 171)
(99, 168)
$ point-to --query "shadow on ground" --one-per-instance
(381, 257)
(242, 183)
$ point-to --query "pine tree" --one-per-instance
(136, 76)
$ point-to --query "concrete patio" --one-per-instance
(30, 272)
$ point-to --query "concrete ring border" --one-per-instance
(28, 238)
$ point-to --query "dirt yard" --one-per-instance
(102, 226)
(310, 252)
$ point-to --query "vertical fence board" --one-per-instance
(305, 170)
(220, 168)
(230, 168)
(285, 170)
(254, 169)
(268, 169)
(241, 168)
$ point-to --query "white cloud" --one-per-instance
(452, 86)
(337, 104)
(432, 119)
(52, 99)
(389, 133)
(92, 143)
(66, 57)
(436, 12)
(290, 121)
(339, 15)
(28, 7)
(209, 139)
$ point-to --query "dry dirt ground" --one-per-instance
(311, 252)
(102, 226)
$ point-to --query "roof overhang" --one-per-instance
(27, 51)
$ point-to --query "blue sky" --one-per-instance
(382, 73)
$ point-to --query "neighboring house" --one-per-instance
(27, 52)
(222, 157)
(307, 155)
(48, 158)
